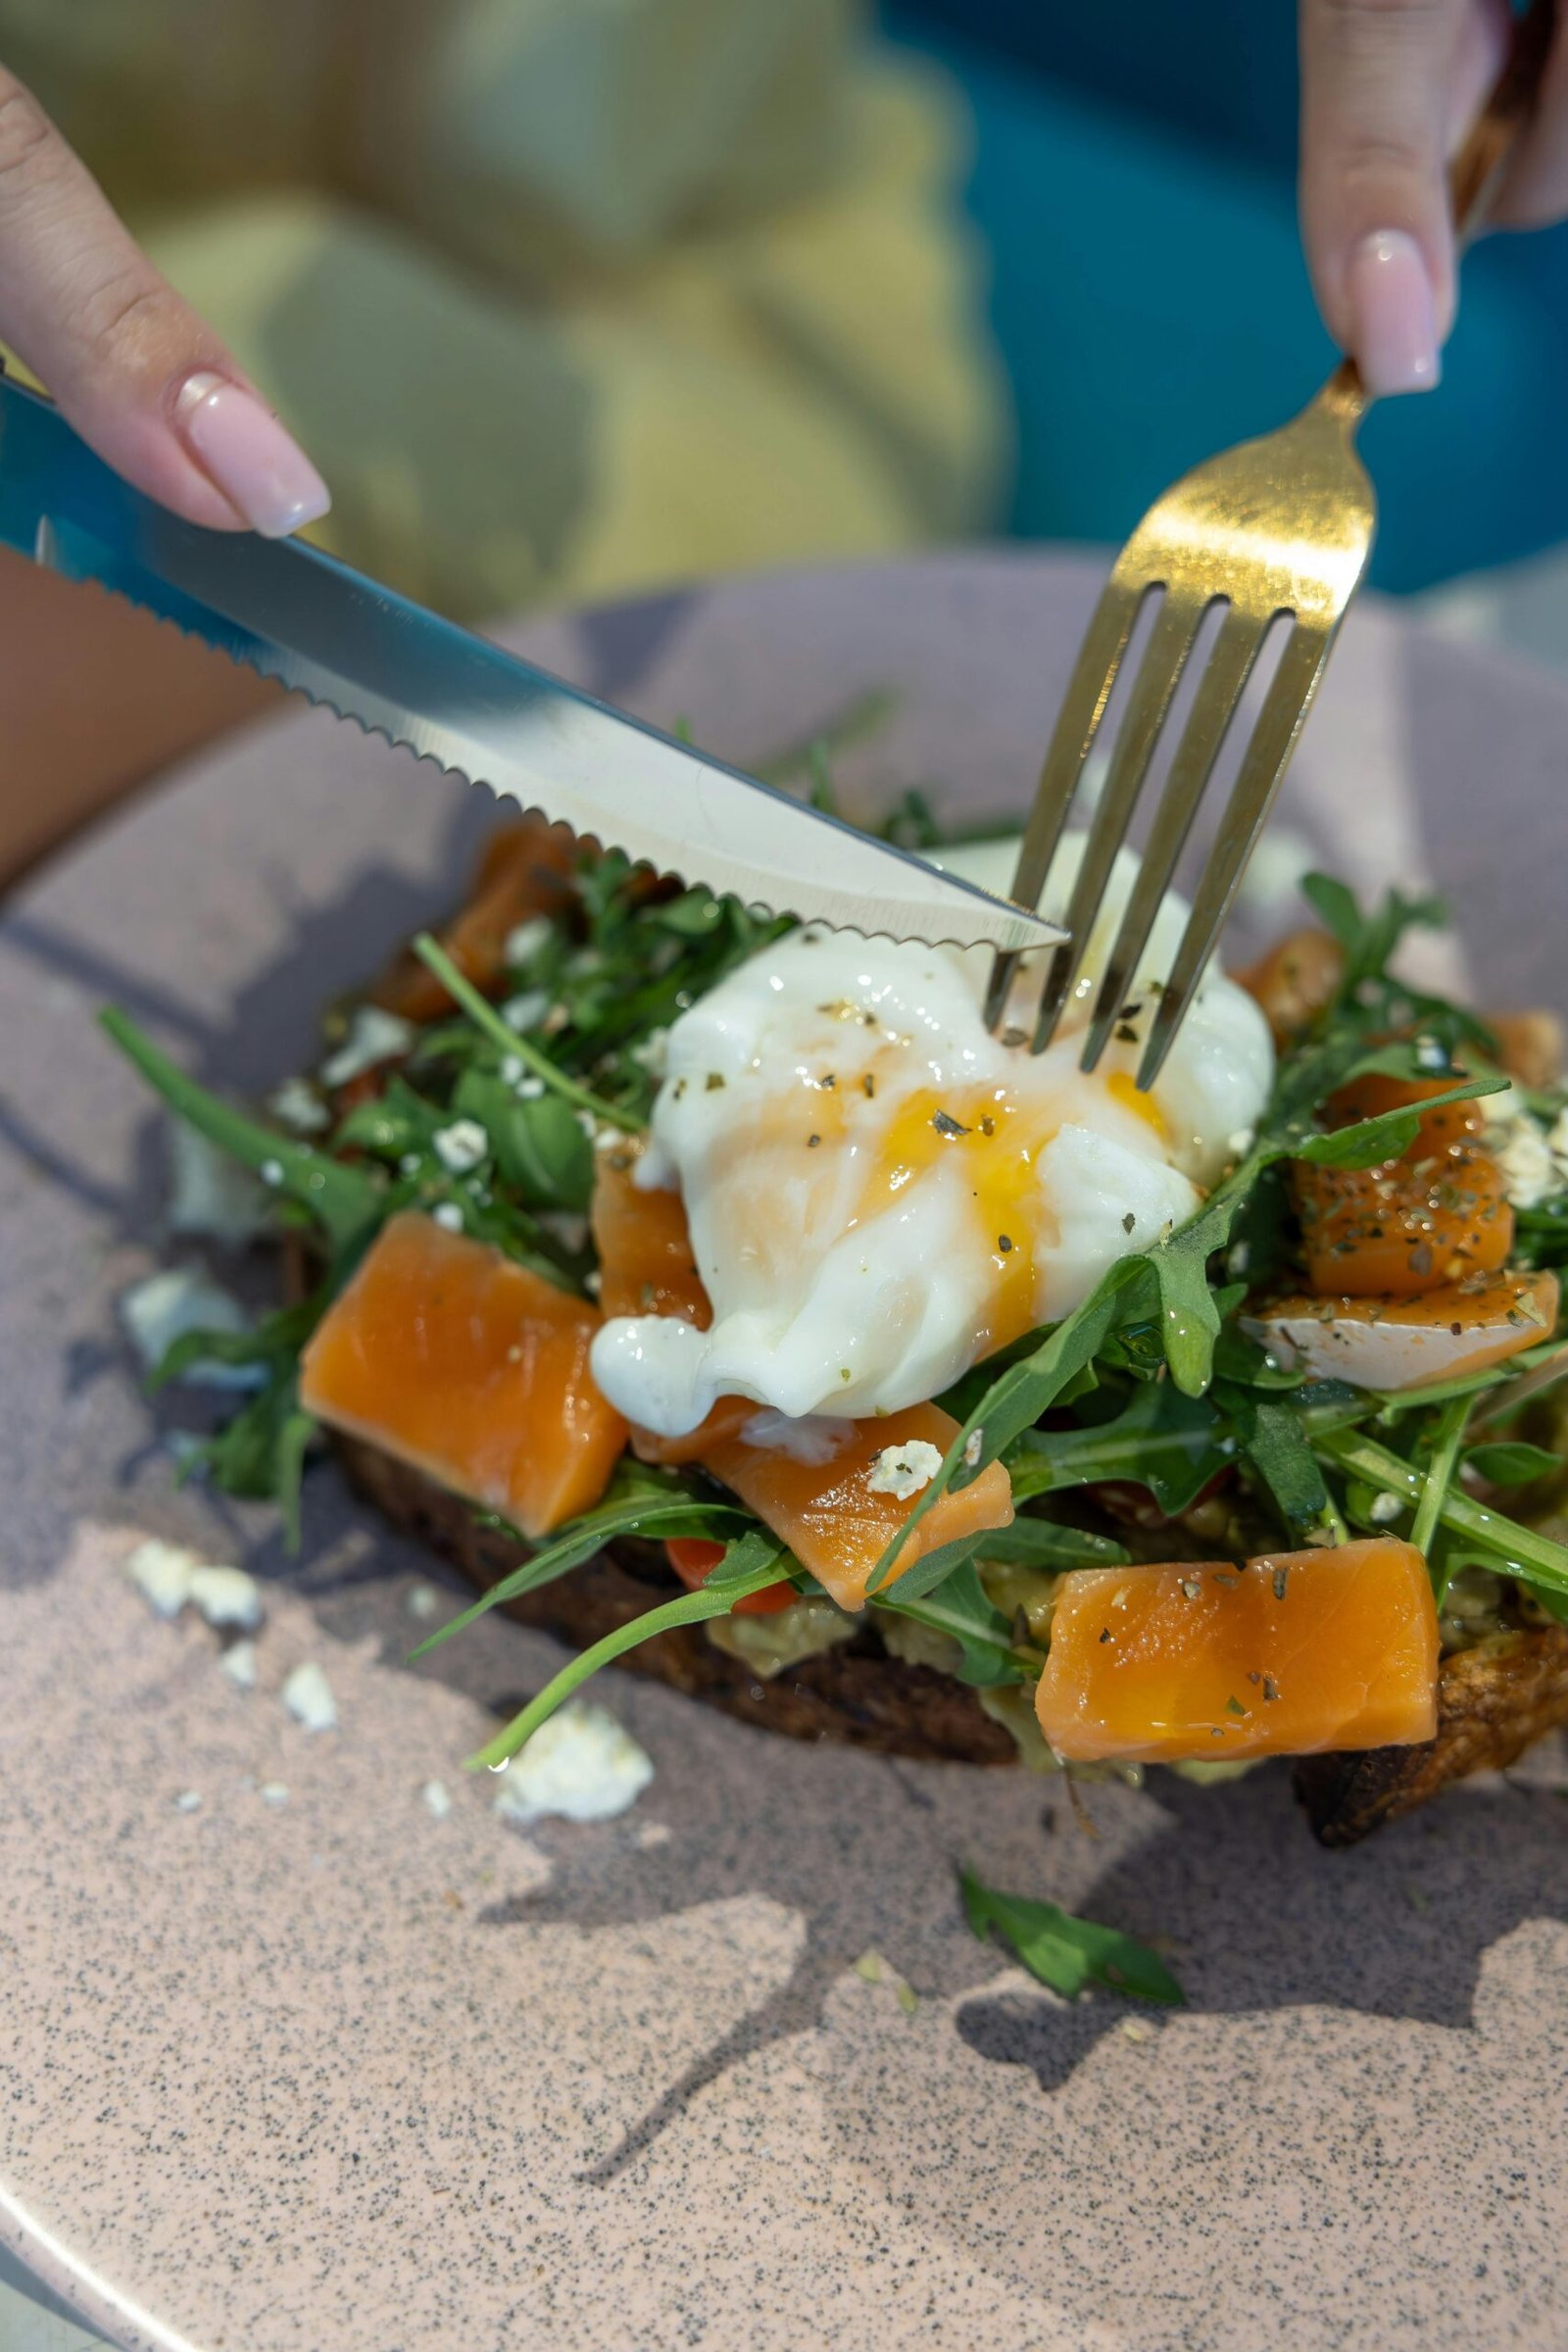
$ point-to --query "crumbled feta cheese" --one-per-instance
(297, 1105)
(227, 1597)
(158, 1311)
(162, 1574)
(523, 941)
(1384, 1509)
(449, 1216)
(409, 1164)
(513, 1067)
(592, 1282)
(272, 1172)
(238, 1662)
(531, 1090)
(1241, 1143)
(902, 1470)
(188, 1801)
(461, 1147)
(568, 1228)
(652, 1053)
(1523, 1153)
(273, 1792)
(581, 1765)
(973, 1446)
(423, 1602)
(211, 1195)
(437, 1798)
(374, 1037)
(526, 1009)
(308, 1695)
(589, 1125)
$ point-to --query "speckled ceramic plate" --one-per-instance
(337, 2075)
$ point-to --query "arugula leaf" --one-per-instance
(1276, 1445)
(1047, 1543)
(261, 1453)
(750, 1563)
(1369, 1142)
(1161, 1440)
(540, 1148)
(961, 1607)
(1512, 1463)
(489, 1022)
(1369, 941)
(1529, 1556)
(1066, 1953)
(641, 1512)
(347, 1202)
(1029, 1388)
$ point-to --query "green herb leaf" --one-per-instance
(1369, 1142)
(641, 1512)
(485, 1017)
(346, 1202)
(1066, 1953)
(1046, 1543)
(1275, 1443)
(1530, 1556)
(1512, 1464)
(540, 1148)
(752, 1562)
(1029, 1388)
(1171, 1444)
(959, 1607)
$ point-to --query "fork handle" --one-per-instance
(1476, 168)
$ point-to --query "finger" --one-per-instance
(1376, 83)
(137, 372)
(1480, 49)
(1535, 185)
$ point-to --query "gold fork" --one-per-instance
(1275, 528)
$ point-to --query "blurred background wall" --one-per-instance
(571, 299)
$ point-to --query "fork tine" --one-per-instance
(1158, 674)
(1071, 741)
(1267, 756)
(1220, 688)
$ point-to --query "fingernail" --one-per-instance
(1394, 315)
(237, 440)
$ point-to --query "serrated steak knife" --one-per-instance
(299, 616)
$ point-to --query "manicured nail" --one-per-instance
(1394, 315)
(260, 469)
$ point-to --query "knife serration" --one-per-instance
(372, 655)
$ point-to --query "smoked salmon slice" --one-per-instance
(1287, 1655)
(1434, 1215)
(457, 1360)
(524, 870)
(830, 1489)
(1400, 1342)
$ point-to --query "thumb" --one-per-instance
(1377, 101)
(143, 378)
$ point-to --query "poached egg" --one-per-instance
(879, 1193)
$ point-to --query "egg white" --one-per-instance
(864, 1270)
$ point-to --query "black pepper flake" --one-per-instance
(1128, 1222)
(1106, 1634)
(946, 1124)
(1456, 1330)
(1282, 1577)
(811, 1142)
(828, 1081)
(1128, 1012)
(1253, 1676)
(869, 1084)
(1271, 1689)
(712, 1083)
(1126, 1034)
(1234, 1706)
(988, 1125)
(1003, 1242)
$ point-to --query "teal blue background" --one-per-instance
(1133, 180)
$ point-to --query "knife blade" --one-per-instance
(451, 697)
